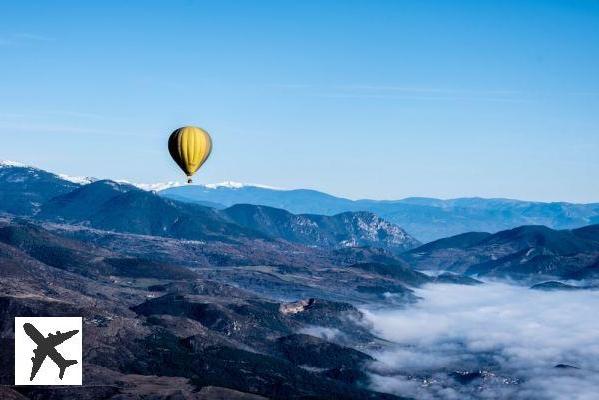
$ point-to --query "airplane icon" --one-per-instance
(47, 347)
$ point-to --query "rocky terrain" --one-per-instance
(145, 318)
(349, 229)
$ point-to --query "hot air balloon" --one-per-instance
(190, 147)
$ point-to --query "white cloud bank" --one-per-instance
(513, 335)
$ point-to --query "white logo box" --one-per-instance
(70, 350)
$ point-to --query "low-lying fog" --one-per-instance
(510, 339)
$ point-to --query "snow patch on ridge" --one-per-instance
(81, 180)
(159, 186)
(8, 163)
(237, 185)
(156, 187)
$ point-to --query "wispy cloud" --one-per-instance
(75, 114)
(584, 94)
(33, 37)
(411, 89)
(16, 39)
(394, 92)
(421, 97)
(398, 92)
(58, 121)
(41, 128)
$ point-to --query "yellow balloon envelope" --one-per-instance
(190, 147)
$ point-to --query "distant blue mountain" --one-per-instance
(426, 219)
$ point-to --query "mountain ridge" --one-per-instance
(425, 218)
(521, 251)
(122, 207)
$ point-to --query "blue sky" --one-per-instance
(377, 99)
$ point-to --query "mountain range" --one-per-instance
(246, 301)
(252, 234)
(120, 207)
(426, 219)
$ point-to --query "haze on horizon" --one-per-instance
(382, 100)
